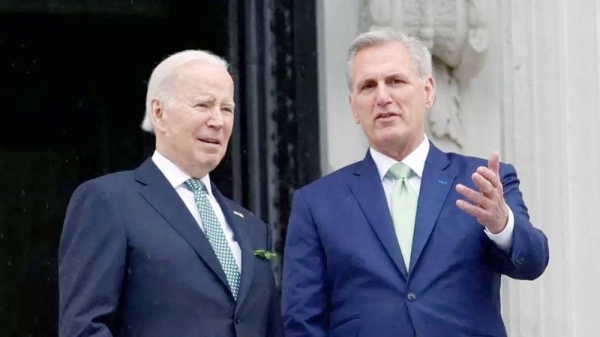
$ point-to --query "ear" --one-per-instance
(158, 114)
(354, 114)
(429, 92)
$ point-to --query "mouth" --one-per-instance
(387, 116)
(211, 141)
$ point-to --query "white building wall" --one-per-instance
(343, 141)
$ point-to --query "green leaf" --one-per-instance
(265, 254)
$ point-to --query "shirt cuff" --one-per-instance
(504, 239)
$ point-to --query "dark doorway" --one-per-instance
(72, 86)
(72, 90)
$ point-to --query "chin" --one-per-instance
(211, 160)
(390, 138)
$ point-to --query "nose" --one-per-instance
(383, 95)
(216, 118)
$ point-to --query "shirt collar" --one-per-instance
(174, 174)
(415, 160)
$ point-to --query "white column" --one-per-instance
(342, 141)
(551, 119)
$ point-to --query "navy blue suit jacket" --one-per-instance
(134, 262)
(343, 272)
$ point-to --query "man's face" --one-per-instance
(194, 127)
(389, 99)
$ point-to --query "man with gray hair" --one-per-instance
(410, 241)
(159, 251)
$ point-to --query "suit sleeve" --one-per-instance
(92, 255)
(305, 294)
(529, 254)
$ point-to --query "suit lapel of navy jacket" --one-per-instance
(368, 190)
(436, 182)
(239, 228)
(164, 199)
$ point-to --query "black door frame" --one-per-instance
(273, 54)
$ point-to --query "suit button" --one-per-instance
(238, 321)
(411, 297)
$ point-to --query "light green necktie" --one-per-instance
(404, 209)
(215, 234)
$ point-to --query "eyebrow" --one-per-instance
(388, 76)
(211, 98)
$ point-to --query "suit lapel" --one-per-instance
(435, 185)
(368, 190)
(236, 222)
(164, 199)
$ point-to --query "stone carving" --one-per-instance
(456, 33)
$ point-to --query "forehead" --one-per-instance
(389, 57)
(204, 77)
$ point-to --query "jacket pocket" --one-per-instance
(347, 327)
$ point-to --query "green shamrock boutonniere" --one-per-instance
(265, 254)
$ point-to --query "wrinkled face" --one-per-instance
(389, 99)
(193, 128)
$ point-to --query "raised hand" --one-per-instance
(487, 204)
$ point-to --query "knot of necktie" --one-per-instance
(400, 171)
(195, 185)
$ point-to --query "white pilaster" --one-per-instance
(551, 119)
(342, 141)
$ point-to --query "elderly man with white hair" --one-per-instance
(159, 251)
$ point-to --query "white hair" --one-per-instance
(420, 56)
(159, 85)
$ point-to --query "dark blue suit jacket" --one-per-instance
(343, 271)
(134, 262)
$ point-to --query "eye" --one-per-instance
(202, 105)
(227, 109)
(396, 80)
(368, 85)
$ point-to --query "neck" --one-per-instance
(400, 151)
(186, 166)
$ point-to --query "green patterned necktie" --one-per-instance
(215, 234)
(404, 209)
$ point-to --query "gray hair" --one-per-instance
(159, 85)
(420, 56)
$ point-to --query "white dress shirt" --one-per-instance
(177, 178)
(416, 161)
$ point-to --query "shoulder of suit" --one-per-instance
(338, 177)
(107, 183)
(462, 159)
(469, 164)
